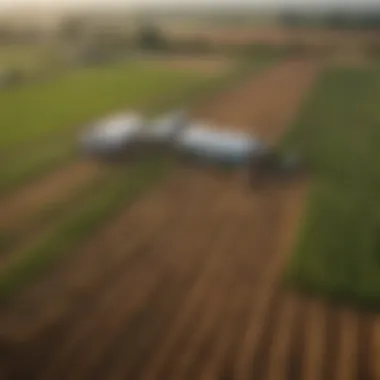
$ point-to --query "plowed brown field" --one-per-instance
(18, 207)
(183, 284)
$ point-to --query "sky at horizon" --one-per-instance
(61, 4)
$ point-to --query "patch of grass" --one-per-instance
(338, 132)
(74, 98)
(26, 58)
(82, 222)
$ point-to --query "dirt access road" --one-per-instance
(183, 284)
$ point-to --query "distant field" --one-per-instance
(339, 249)
(28, 59)
(34, 110)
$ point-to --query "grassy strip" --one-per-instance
(338, 253)
(81, 223)
(24, 164)
(37, 160)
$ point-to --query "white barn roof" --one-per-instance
(203, 140)
(114, 131)
(118, 127)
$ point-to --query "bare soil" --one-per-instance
(268, 110)
(21, 206)
(184, 284)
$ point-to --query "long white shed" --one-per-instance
(218, 144)
(113, 134)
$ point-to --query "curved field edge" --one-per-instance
(41, 153)
(338, 251)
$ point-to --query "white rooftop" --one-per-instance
(203, 137)
(120, 127)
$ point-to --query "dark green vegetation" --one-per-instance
(338, 253)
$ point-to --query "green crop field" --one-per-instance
(338, 253)
(26, 58)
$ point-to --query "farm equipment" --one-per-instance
(128, 135)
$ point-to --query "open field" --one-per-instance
(267, 124)
(74, 98)
(194, 250)
(184, 283)
(338, 132)
(36, 214)
(43, 118)
(213, 65)
(28, 59)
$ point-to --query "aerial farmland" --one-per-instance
(156, 269)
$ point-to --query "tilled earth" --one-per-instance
(184, 283)
(21, 205)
